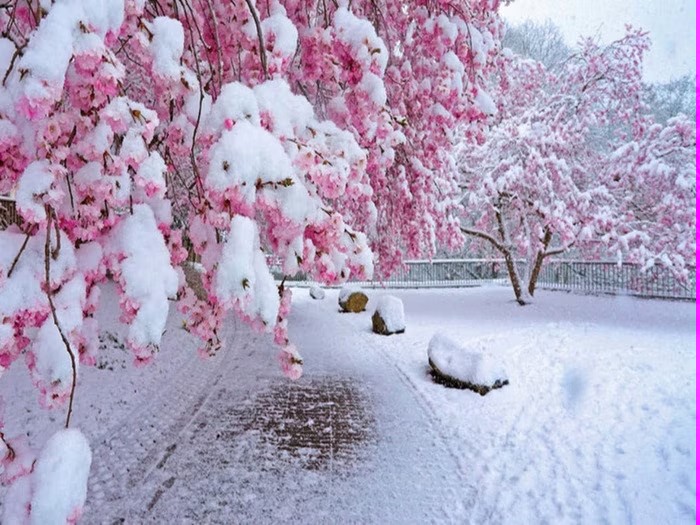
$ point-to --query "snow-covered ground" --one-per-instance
(597, 424)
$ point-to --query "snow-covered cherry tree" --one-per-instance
(315, 132)
(652, 178)
(537, 186)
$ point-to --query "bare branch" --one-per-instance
(19, 254)
(558, 250)
(47, 271)
(261, 41)
(483, 235)
(10, 450)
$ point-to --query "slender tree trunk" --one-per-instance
(539, 260)
(506, 244)
(518, 290)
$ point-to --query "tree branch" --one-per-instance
(10, 450)
(483, 235)
(261, 41)
(558, 250)
(47, 270)
(19, 254)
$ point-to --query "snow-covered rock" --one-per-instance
(388, 318)
(469, 367)
(351, 299)
(317, 292)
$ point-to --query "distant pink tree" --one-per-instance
(569, 162)
(653, 180)
(316, 132)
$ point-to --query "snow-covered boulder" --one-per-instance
(317, 292)
(469, 367)
(351, 299)
(388, 318)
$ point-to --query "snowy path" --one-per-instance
(225, 441)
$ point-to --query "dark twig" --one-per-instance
(10, 450)
(47, 270)
(261, 41)
(19, 254)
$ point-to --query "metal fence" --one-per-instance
(431, 274)
(449, 272)
(8, 213)
(613, 278)
(590, 277)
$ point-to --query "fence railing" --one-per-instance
(591, 277)
(614, 278)
(449, 272)
(8, 213)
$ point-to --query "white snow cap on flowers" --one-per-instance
(36, 181)
(485, 103)
(166, 46)
(290, 114)
(23, 288)
(374, 87)
(235, 102)
(243, 276)
(360, 35)
(148, 276)
(284, 31)
(59, 479)
(248, 155)
(51, 47)
(52, 360)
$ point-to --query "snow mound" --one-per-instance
(468, 367)
(317, 292)
(389, 318)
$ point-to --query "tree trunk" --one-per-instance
(515, 280)
(539, 260)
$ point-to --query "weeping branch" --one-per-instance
(47, 270)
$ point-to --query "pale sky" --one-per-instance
(671, 24)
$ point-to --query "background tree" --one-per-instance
(652, 178)
(540, 41)
(534, 186)
(669, 99)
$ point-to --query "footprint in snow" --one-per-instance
(574, 384)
